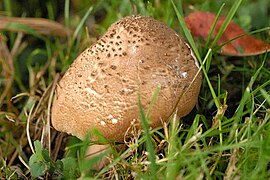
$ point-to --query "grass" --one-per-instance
(227, 135)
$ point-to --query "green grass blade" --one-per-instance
(50, 10)
(7, 5)
(195, 50)
(227, 21)
(208, 57)
(67, 20)
(192, 129)
(149, 143)
(209, 37)
(261, 86)
(153, 101)
(172, 167)
(245, 98)
(266, 96)
(186, 32)
(79, 27)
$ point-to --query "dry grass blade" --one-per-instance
(42, 26)
(18, 45)
(28, 130)
(231, 171)
(7, 62)
(46, 134)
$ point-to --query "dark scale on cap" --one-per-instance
(100, 64)
(103, 41)
(113, 67)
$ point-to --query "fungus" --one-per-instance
(152, 55)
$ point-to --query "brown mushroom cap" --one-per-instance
(100, 89)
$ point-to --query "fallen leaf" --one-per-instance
(200, 24)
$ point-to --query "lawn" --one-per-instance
(226, 135)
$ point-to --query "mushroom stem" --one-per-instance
(96, 150)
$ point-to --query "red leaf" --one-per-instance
(200, 24)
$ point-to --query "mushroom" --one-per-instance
(100, 89)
